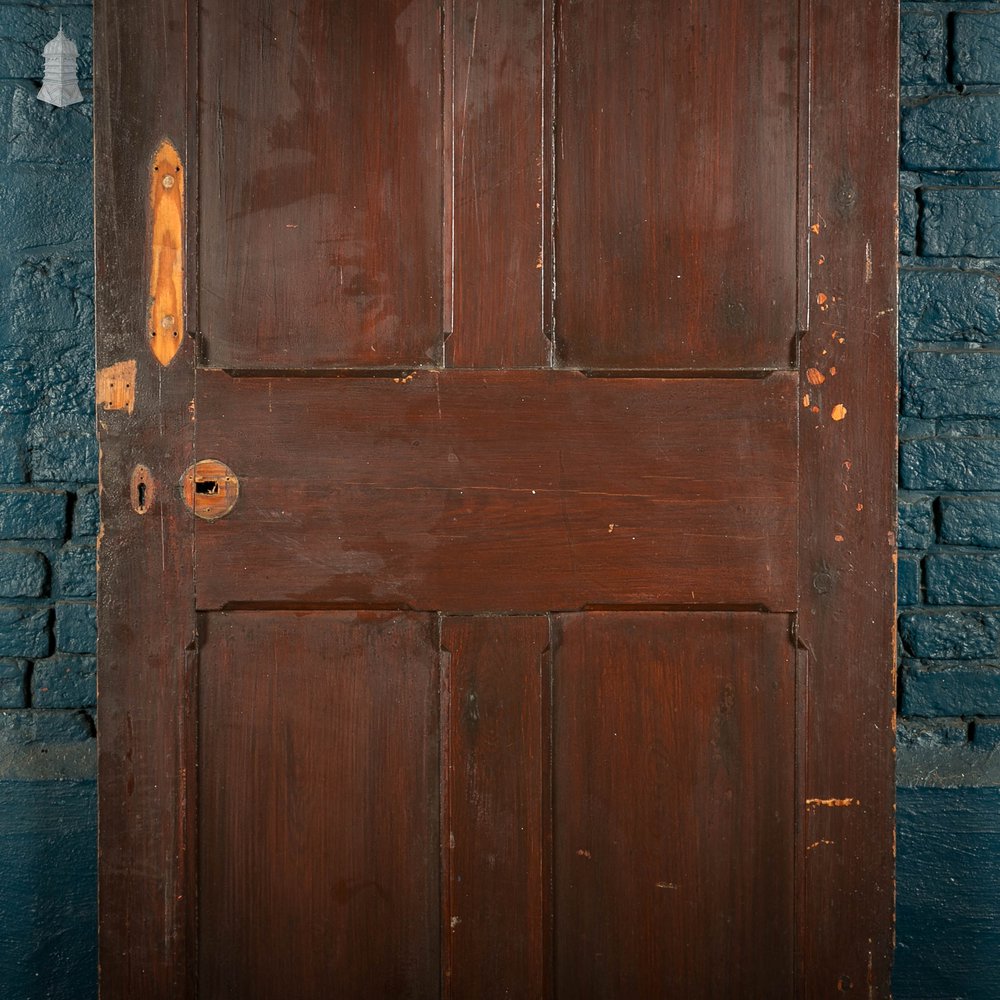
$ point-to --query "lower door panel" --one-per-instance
(578, 805)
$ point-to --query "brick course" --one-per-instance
(48, 516)
(48, 451)
(949, 327)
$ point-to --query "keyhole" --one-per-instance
(142, 489)
(207, 487)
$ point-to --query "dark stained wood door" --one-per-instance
(496, 405)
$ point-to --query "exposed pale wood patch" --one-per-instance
(166, 274)
(116, 387)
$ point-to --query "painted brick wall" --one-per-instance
(948, 874)
(48, 519)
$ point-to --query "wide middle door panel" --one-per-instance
(501, 491)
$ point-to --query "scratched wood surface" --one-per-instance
(676, 184)
(671, 773)
(521, 491)
(674, 772)
(501, 124)
(318, 764)
(496, 815)
(145, 613)
(322, 182)
(848, 502)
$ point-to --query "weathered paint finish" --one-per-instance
(145, 753)
(848, 468)
(948, 933)
(166, 277)
(48, 907)
(657, 494)
(503, 474)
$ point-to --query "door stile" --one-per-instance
(847, 463)
(146, 618)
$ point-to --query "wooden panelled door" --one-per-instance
(497, 404)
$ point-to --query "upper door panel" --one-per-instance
(675, 168)
(321, 183)
(394, 185)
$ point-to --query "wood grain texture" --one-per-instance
(530, 491)
(501, 121)
(848, 503)
(321, 183)
(115, 387)
(318, 770)
(676, 184)
(674, 774)
(166, 254)
(146, 619)
(496, 817)
(673, 799)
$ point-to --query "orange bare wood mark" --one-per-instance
(166, 274)
(116, 387)
(210, 489)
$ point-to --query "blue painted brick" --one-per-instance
(23, 572)
(66, 386)
(908, 582)
(948, 305)
(948, 913)
(26, 727)
(47, 293)
(951, 383)
(13, 683)
(86, 513)
(64, 682)
(907, 219)
(976, 48)
(42, 205)
(952, 133)
(951, 635)
(48, 908)
(950, 688)
(25, 29)
(18, 392)
(970, 427)
(960, 222)
(971, 578)
(963, 464)
(916, 523)
(24, 632)
(922, 48)
(36, 132)
(973, 521)
(63, 449)
(76, 571)
(13, 449)
(986, 734)
(29, 513)
(922, 733)
(76, 628)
